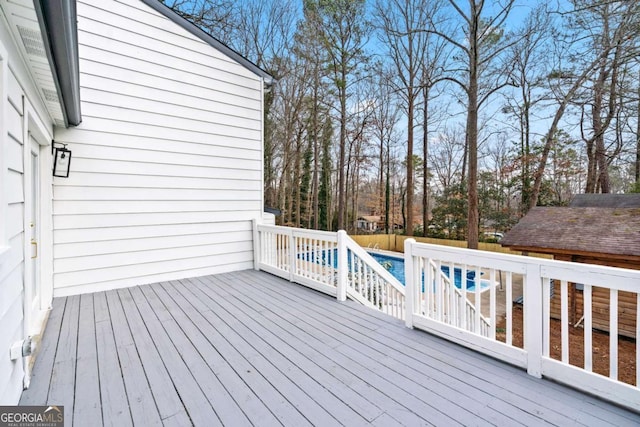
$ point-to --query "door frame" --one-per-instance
(35, 315)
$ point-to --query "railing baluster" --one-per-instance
(439, 297)
(378, 291)
(322, 253)
(353, 283)
(588, 351)
(478, 300)
(464, 318)
(638, 339)
(274, 249)
(319, 261)
(613, 334)
(368, 283)
(546, 308)
(509, 304)
(564, 320)
(492, 303)
(282, 252)
(424, 302)
(451, 304)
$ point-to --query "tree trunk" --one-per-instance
(387, 198)
(342, 194)
(425, 167)
(316, 155)
(410, 172)
(637, 166)
(472, 138)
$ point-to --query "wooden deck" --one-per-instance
(248, 348)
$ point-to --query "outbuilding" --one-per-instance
(594, 229)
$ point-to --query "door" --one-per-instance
(33, 233)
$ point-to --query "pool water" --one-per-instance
(395, 266)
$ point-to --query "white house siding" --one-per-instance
(18, 100)
(166, 173)
(12, 264)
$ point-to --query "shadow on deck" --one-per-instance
(248, 348)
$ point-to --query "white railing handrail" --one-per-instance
(615, 278)
(374, 265)
(325, 235)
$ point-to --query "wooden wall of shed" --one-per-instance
(627, 307)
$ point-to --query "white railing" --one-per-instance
(545, 288)
(448, 303)
(308, 257)
(328, 262)
(370, 283)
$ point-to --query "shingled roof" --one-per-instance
(606, 231)
(631, 200)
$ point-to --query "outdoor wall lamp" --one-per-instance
(61, 159)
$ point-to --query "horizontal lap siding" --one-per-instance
(166, 173)
(12, 262)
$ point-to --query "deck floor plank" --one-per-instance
(299, 369)
(167, 400)
(546, 395)
(442, 377)
(507, 381)
(369, 400)
(115, 407)
(247, 348)
(225, 407)
(141, 401)
(87, 409)
(196, 403)
(429, 403)
(244, 396)
(45, 356)
(62, 387)
(284, 410)
(515, 383)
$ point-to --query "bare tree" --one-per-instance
(447, 157)
(384, 121)
(341, 27)
(610, 27)
(602, 50)
(217, 17)
(480, 70)
(401, 24)
(530, 70)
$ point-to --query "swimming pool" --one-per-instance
(395, 266)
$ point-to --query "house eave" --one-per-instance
(58, 25)
(572, 252)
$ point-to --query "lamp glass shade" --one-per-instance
(61, 162)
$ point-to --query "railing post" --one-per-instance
(343, 266)
(410, 290)
(532, 319)
(256, 245)
(292, 255)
